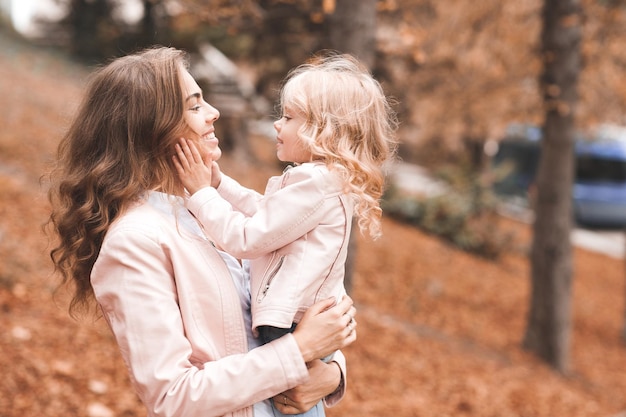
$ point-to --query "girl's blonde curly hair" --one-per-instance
(349, 125)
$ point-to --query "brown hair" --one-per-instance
(117, 148)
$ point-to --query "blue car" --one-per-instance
(599, 190)
(600, 186)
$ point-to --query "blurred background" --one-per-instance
(498, 288)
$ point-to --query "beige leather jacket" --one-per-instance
(169, 299)
(296, 236)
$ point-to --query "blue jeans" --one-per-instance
(269, 333)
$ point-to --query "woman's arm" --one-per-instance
(313, 340)
(134, 285)
(326, 383)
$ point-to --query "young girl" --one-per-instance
(338, 128)
(177, 306)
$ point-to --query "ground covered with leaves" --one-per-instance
(439, 329)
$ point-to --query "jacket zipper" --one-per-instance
(271, 276)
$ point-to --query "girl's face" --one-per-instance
(289, 147)
(199, 117)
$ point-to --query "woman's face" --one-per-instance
(199, 117)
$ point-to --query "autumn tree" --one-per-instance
(549, 319)
(352, 29)
(461, 72)
(95, 30)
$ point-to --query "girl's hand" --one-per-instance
(216, 175)
(325, 328)
(193, 172)
(324, 380)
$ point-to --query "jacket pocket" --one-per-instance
(269, 277)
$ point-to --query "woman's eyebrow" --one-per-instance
(194, 96)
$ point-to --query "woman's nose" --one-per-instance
(212, 114)
(277, 125)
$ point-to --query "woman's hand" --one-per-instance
(325, 328)
(191, 168)
(324, 380)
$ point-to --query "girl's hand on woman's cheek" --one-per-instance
(192, 171)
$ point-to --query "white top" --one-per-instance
(241, 277)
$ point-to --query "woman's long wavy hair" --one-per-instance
(350, 125)
(117, 148)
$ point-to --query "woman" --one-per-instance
(178, 307)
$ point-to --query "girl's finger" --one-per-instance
(182, 159)
(184, 144)
(177, 165)
(197, 158)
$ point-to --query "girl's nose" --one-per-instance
(277, 125)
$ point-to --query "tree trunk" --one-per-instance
(86, 20)
(148, 24)
(352, 30)
(549, 319)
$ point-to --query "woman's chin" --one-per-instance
(216, 154)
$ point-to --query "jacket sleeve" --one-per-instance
(134, 284)
(281, 218)
(244, 200)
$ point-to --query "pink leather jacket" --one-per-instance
(169, 299)
(296, 236)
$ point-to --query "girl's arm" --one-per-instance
(195, 174)
(281, 218)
